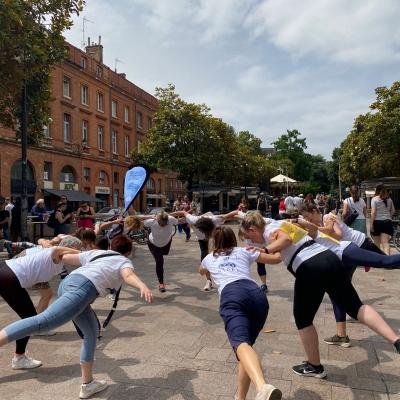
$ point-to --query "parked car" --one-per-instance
(107, 212)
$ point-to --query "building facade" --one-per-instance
(97, 118)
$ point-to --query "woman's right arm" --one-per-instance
(281, 242)
(265, 258)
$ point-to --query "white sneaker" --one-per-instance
(269, 392)
(47, 333)
(91, 388)
(24, 362)
(208, 286)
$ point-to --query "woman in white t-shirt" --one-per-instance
(317, 271)
(100, 270)
(356, 203)
(163, 227)
(243, 306)
(382, 210)
(16, 276)
(203, 226)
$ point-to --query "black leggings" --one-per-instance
(323, 273)
(261, 269)
(203, 244)
(17, 298)
(158, 254)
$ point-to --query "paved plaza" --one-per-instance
(176, 348)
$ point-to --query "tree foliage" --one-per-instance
(372, 148)
(31, 44)
(186, 138)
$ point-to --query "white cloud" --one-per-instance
(357, 31)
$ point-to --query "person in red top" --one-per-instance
(282, 208)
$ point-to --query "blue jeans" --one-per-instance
(76, 293)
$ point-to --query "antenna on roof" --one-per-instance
(83, 44)
(117, 60)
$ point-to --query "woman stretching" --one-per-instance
(162, 229)
(243, 306)
(352, 247)
(16, 276)
(101, 270)
(317, 271)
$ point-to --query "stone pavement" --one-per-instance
(176, 348)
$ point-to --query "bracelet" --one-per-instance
(266, 250)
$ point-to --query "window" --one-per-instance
(100, 138)
(67, 174)
(126, 146)
(151, 184)
(126, 114)
(116, 177)
(149, 123)
(86, 174)
(102, 177)
(47, 171)
(116, 198)
(83, 62)
(85, 132)
(100, 102)
(114, 142)
(114, 109)
(46, 131)
(99, 71)
(139, 119)
(67, 87)
(139, 145)
(84, 95)
(67, 128)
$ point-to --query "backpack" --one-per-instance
(51, 222)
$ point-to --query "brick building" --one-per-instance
(97, 118)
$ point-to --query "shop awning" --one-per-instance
(73, 195)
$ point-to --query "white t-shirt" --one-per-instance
(383, 211)
(358, 206)
(288, 253)
(337, 246)
(348, 234)
(37, 266)
(161, 235)
(104, 272)
(225, 269)
(289, 203)
(192, 219)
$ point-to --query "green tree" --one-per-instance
(187, 139)
(372, 148)
(31, 44)
(291, 146)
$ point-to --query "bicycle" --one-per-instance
(395, 240)
(140, 236)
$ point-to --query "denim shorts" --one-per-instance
(244, 310)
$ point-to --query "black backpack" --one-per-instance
(51, 222)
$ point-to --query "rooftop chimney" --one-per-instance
(95, 50)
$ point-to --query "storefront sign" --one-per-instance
(102, 190)
(68, 186)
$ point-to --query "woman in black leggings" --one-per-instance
(317, 271)
(17, 275)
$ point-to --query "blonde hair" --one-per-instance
(252, 219)
(132, 223)
(162, 216)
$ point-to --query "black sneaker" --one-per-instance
(396, 345)
(307, 369)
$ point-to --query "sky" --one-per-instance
(264, 66)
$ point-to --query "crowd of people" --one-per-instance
(319, 246)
